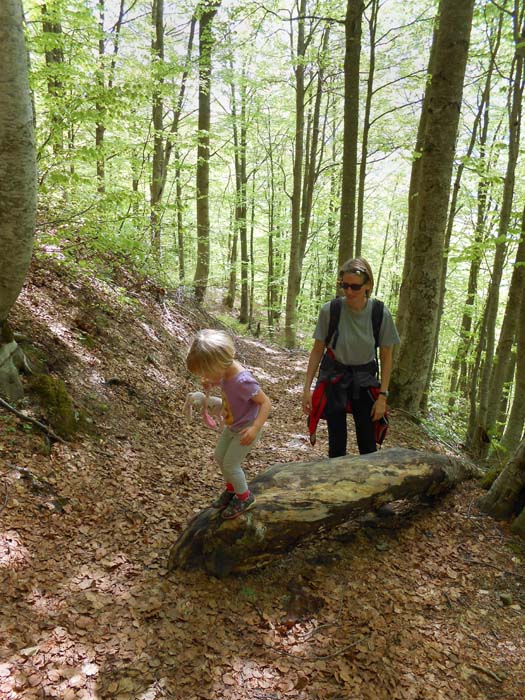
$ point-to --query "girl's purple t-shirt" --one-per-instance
(238, 409)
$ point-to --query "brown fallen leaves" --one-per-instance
(424, 604)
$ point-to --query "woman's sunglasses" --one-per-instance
(353, 287)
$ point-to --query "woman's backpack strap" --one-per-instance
(333, 323)
(377, 318)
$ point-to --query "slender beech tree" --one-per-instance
(458, 367)
(307, 155)
(172, 146)
(294, 265)
(54, 55)
(239, 232)
(507, 335)
(206, 12)
(314, 149)
(372, 31)
(157, 113)
(17, 182)
(353, 21)
(163, 143)
(100, 83)
(516, 418)
(508, 328)
(474, 139)
(413, 193)
(275, 206)
(104, 86)
(331, 252)
(242, 212)
(445, 88)
(479, 428)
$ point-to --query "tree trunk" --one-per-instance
(482, 110)
(476, 440)
(294, 266)
(241, 210)
(505, 498)
(100, 79)
(446, 88)
(508, 331)
(272, 284)
(179, 238)
(372, 24)
(252, 257)
(207, 11)
(459, 364)
(229, 299)
(53, 38)
(297, 500)
(17, 179)
(516, 419)
(354, 12)
(157, 112)
(276, 256)
(413, 198)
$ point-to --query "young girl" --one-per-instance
(245, 408)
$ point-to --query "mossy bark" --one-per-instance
(297, 500)
(505, 498)
(11, 387)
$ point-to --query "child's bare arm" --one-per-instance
(249, 434)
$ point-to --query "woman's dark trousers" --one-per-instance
(364, 427)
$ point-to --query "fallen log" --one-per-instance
(295, 500)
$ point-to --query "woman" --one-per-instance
(350, 356)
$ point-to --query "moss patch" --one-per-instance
(57, 404)
(490, 477)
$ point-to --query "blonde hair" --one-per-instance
(358, 266)
(211, 351)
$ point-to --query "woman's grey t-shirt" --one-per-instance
(355, 344)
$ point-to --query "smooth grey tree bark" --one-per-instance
(516, 418)
(505, 498)
(52, 37)
(308, 154)
(372, 25)
(480, 121)
(295, 262)
(445, 91)
(157, 113)
(17, 181)
(479, 427)
(206, 13)
(353, 21)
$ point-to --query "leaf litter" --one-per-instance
(425, 603)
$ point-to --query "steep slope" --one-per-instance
(426, 603)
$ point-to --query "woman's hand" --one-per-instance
(307, 401)
(379, 407)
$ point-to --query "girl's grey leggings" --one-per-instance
(229, 454)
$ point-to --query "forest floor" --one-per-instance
(427, 604)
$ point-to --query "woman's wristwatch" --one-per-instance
(383, 393)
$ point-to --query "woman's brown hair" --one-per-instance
(358, 266)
